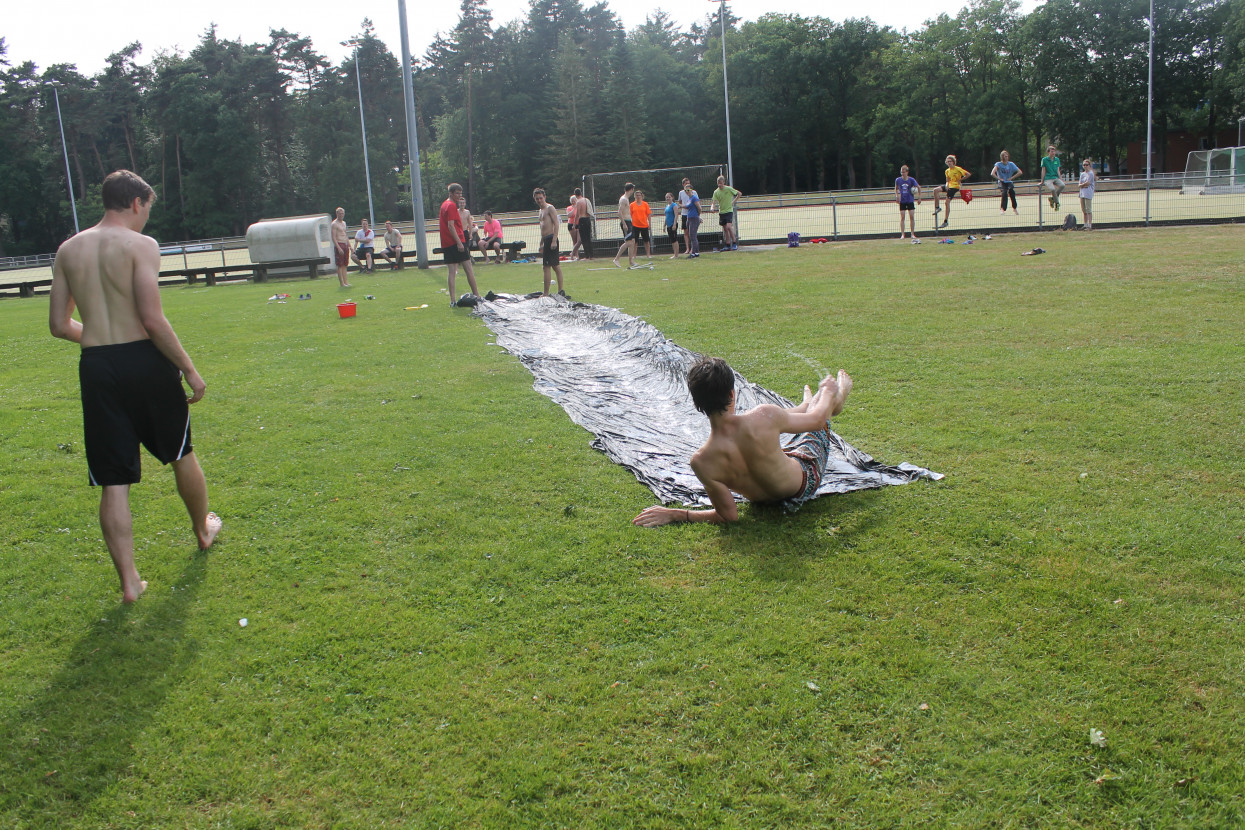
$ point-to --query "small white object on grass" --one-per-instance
(813, 687)
(242, 622)
(1096, 738)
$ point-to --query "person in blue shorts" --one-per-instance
(908, 195)
(744, 455)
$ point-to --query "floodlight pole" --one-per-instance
(726, 95)
(412, 144)
(1240, 122)
(73, 204)
(367, 170)
(1150, 115)
(471, 167)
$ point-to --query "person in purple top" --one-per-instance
(908, 195)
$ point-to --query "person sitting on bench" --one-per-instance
(492, 238)
(393, 246)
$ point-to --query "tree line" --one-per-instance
(231, 132)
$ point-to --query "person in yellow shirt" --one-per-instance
(955, 175)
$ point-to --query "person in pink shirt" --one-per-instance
(492, 238)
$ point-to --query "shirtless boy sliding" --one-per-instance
(131, 368)
(743, 453)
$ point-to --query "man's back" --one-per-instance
(100, 266)
(743, 453)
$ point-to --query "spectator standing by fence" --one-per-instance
(908, 194)
(1004, 170)
(641, 212)
(691, 212)
(1088, 182)
(572, 226)
(584, 214)
(724, 202)
(672, 224)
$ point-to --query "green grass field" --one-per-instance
(453, 624)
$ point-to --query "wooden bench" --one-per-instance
(512, 249)
(259, 271)
(27, 288)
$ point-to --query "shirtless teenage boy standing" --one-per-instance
(341, 246)
(131, 368)
(549, 248)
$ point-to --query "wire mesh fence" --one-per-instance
(1119, 201)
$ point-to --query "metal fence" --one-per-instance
(1119, 201)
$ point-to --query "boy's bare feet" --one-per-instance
(844, 388)
(206, 539)
(132, 593)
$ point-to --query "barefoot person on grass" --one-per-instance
(131, 368)
(549, 248)
(743, 454)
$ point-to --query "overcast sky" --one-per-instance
(85, 33)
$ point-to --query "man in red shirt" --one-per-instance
(454, 243)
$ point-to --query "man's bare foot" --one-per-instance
(214, 525)
(129, 595)
(844, 388)
(616, 265)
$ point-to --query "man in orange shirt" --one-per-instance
(640, 213)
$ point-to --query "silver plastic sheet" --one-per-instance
(619, 378)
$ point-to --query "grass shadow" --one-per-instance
(75, 739)
(779, 544)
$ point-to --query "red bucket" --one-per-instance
(346, 309)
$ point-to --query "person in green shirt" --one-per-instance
(1051, 180)
(724, 198)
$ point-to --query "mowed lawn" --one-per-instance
(451, 622)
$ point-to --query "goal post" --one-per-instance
(604, 190)
(1221, 170)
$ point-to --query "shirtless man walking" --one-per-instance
(131, 368)
(548, 239)
(341, 246)
(743, 454)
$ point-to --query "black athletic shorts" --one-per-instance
(683, 218)
(549, 253)
(907, 206)
(672, 232)
(642, 234)
(131, 394)
(452, 254)
(628, 231)
(726, 218)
